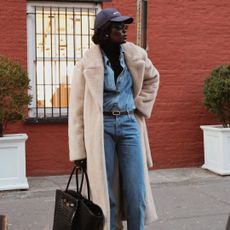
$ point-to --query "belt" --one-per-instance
(118, 113)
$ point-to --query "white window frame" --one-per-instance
(39, 112)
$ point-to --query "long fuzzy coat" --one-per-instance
(86, 134)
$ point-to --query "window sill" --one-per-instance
(47, 120)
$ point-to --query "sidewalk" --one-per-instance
(186, 199)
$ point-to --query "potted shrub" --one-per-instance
(14, 85)
(217, 137)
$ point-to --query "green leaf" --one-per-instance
(14, 85)
(217, 94)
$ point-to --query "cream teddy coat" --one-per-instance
(86, 134)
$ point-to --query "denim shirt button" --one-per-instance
(118, 93)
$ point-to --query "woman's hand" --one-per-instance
(81, 163)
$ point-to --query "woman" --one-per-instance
(113, 90)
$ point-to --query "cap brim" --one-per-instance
(125, 19)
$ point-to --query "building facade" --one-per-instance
(185, 40)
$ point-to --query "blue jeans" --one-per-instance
(122, 142)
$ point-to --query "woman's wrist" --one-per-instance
(80, 163)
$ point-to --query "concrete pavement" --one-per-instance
(186, 199)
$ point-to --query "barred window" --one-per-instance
(58, 35)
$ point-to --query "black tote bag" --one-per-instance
(73, 211)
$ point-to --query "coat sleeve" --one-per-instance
(147, 96)
(75, 120)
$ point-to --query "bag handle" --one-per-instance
(87, 182)
(70, 178)
(84, 173)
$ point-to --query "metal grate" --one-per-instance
(61, 35)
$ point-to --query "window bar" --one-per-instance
(66, 61)
(81, 32)
(51, 54)
(35, 63)
(59, 63)
(74, 40)
(43, 58)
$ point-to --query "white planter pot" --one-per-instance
(216, 149)
(13, 162)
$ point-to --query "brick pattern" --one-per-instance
(186, 39)
(13, 41)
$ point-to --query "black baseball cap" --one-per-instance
(110, 15)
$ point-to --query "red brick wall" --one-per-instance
(185, 38)
(13, 30)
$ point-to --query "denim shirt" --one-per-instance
(117, 95)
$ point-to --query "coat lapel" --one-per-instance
(94, 73)
(136, 67)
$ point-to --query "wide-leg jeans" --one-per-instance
(122, 142)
